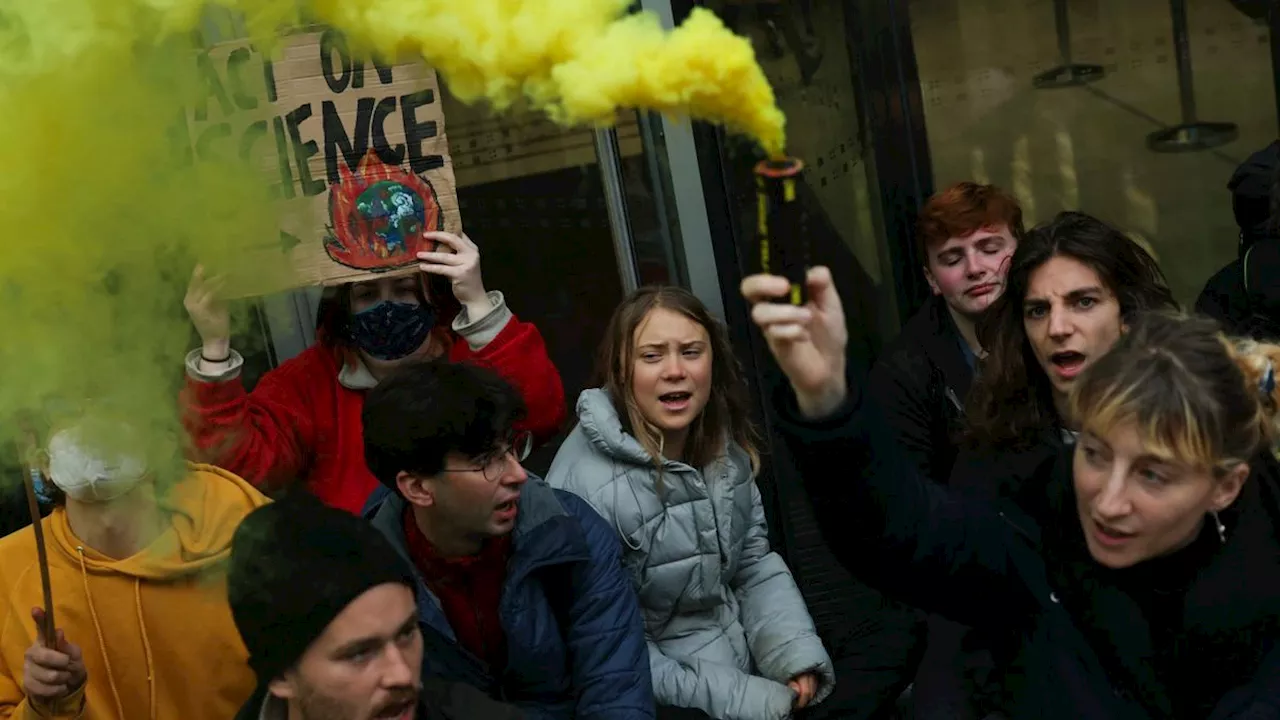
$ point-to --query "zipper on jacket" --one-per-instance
(1017, 528)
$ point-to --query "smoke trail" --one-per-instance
(578, 60)
(104, 218)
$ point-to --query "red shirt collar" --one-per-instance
(493, 552)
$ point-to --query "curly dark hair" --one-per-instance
(1011, 403)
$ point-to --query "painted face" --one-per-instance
(478, 498)
(365, 665)
(1134, 505)
(969, 271)
(1071, 319)
(671, 376)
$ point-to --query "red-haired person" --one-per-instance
(302, 420)
(966, 236)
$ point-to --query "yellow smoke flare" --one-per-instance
(577, 60)
(103, 218)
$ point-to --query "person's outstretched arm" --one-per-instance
(267, 436)
(891, 527)
(896, 385)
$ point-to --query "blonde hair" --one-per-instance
(727, 414)
(1197, 397)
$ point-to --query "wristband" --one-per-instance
(211, 361)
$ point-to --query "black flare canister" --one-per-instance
(784, 244)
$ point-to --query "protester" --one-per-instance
(663, 450)
(328, 611)
(137, 564)
(521, 591)
(1147, 587)
(967, 234)
(1243, 295)
(1072, 288)
(303, 418)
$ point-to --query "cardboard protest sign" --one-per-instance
(356, 153)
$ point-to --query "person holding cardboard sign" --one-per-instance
(302, 421)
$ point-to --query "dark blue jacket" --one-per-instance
(564, 566)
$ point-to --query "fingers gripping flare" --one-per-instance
(809, 341)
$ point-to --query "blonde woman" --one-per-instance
(1148, 583)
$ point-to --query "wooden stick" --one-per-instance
(48, 630)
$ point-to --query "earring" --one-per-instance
(1222, 529)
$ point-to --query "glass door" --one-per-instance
(1136, 111)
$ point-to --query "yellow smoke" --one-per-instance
(101, 224)
(578, 60)
(103, 221)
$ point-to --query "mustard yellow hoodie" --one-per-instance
(156, 631)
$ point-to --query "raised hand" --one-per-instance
(808, 342)
(209, 313)
(458, 260)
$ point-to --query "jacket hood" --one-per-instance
(205, 508)
(602, 426)
(1250, 187)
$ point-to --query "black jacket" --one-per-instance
(1244, 296)
(920, 382)
(1083, 642)
(1013, 475)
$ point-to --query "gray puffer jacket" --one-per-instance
(726, 624)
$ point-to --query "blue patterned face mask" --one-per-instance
(392, 330)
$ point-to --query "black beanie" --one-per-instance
(295, 565)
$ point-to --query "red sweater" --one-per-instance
(469, 590)
(301, 423)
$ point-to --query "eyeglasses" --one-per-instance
(494, 464)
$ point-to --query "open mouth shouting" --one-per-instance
(675, 401)
(1067, 364)
(507, 510)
